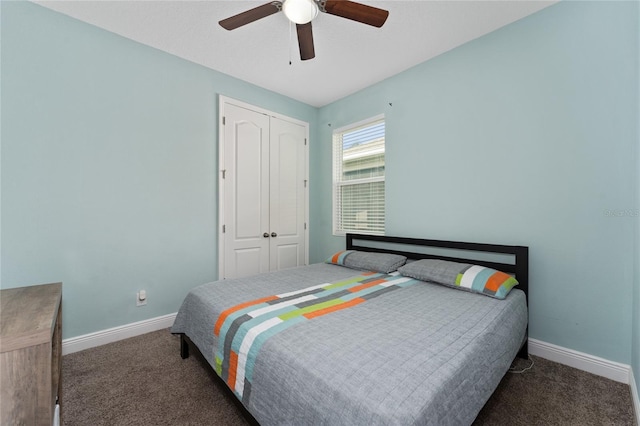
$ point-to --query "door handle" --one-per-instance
(266, 235)
(273, 234)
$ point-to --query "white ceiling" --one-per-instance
(349, 55)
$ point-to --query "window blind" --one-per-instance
(359, 168)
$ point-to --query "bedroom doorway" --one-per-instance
(263, 190)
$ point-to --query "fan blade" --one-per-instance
(305, 41)
(357, 12)
(250, 15)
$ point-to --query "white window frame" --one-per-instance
(337, 163)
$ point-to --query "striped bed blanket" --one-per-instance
(244, 328)
(325, 344)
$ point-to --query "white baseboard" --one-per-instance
(91, 340)
(580, 360)
(634, 396)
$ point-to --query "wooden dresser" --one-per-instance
(30, 354)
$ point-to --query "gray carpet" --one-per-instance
(143, 381)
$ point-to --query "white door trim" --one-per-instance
(222, 100)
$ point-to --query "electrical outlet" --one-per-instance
(141, 298)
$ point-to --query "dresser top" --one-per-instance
(27, 315)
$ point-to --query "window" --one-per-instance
(358, 178)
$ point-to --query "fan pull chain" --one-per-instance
(290, 40)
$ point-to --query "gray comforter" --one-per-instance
(424, 354)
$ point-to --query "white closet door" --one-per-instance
(246, 192)
(263, 198)
(287, 194)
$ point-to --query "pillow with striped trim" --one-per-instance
(368, 261)
(464, 276)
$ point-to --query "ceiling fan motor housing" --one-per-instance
(302, 12)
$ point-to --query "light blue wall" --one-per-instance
(635, 355)
(109, 167)
(524, 136)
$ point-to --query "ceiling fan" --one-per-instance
(302, 12)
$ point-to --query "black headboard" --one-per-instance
(519, 267)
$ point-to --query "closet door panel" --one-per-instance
(250, 182)
(246, 189)
(287, 193)
(288, 256)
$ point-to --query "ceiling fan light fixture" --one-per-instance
(300, 11)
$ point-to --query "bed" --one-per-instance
(341, 343)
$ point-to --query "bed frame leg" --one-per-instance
(524, 350)
(184, 347)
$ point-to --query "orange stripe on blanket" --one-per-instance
(223, 316)
(334, 308)
(233, 368)
(366, 285)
